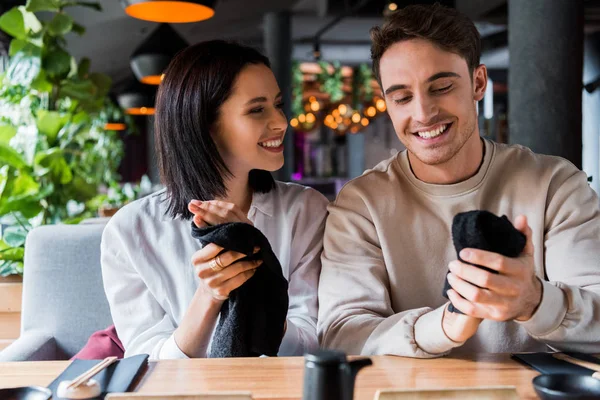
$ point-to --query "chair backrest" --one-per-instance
(63, 295)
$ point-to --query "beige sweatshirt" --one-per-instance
(388, 244)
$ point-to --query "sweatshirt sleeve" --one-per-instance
(355, 310)
(568, 317)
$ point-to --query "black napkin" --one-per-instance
(252, 320)
(116, 378)
(546, 364)
(484, 231)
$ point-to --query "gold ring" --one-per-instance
(214, 266)
(219, 262)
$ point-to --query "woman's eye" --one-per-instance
(402, 100)
(257, 110)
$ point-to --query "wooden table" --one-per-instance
(281, 378)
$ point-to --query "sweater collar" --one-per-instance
(451, 189)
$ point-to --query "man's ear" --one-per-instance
(480, 82)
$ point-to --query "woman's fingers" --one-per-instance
(209, 269)
(231, 284)
(206, 253)
(231, 272)
(215, 212)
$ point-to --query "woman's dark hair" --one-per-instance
(196, 84)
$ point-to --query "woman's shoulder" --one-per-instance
(290, 193)
(150, 209)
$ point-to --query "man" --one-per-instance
(388, 244)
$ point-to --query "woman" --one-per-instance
(219, 130)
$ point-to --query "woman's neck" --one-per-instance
(239, 192)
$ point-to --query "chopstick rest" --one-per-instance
(84, 387)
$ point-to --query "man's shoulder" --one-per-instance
(373, 180)
(522, 160)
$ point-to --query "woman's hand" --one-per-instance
(216, 212)
(221, 273)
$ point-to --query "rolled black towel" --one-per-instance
(484, 231)
(252, 320)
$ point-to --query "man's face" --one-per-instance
(431, 99)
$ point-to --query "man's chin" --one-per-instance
(432, 157)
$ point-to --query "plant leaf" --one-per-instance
(57, 64)
(6, 133)
(12, 22)
(102, 82)
(84, 68)
(81, 90)
(42, 5)
(24, 186)
(9, 156)
(60, 25)
(50, 123)
(25, 65)
(41, 84)
(32, 24)
(54, 160)
(12, 254)
(14, 236)
(4, 177)
(16, 45)
(78, 29)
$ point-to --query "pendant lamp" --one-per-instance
(151, 58)
(137, 99)
(170, 11)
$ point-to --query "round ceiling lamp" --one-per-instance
(152, 57)
(170, 11)
(115, 126)
(137, 99)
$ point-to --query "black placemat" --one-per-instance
(117, 378)
(547, 364)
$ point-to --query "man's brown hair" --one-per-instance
(443, 26)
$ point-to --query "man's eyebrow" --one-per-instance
(434, 77)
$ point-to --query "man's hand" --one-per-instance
(514, 293)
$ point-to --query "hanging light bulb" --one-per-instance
(356, 118)
(364, 122)
(170, 11)
(371, 111)
(380, 104)
(302, 118)
(310, 118)
(343, 109)
(294, 122)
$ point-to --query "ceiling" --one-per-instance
(112, 36)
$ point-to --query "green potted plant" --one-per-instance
(54, 151)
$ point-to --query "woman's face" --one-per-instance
(251, 124)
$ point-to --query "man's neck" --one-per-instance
(459, 168)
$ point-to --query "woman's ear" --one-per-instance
(480, 82)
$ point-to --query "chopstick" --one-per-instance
(581, 363)
(91, 372)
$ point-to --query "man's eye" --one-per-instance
(444, 89)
